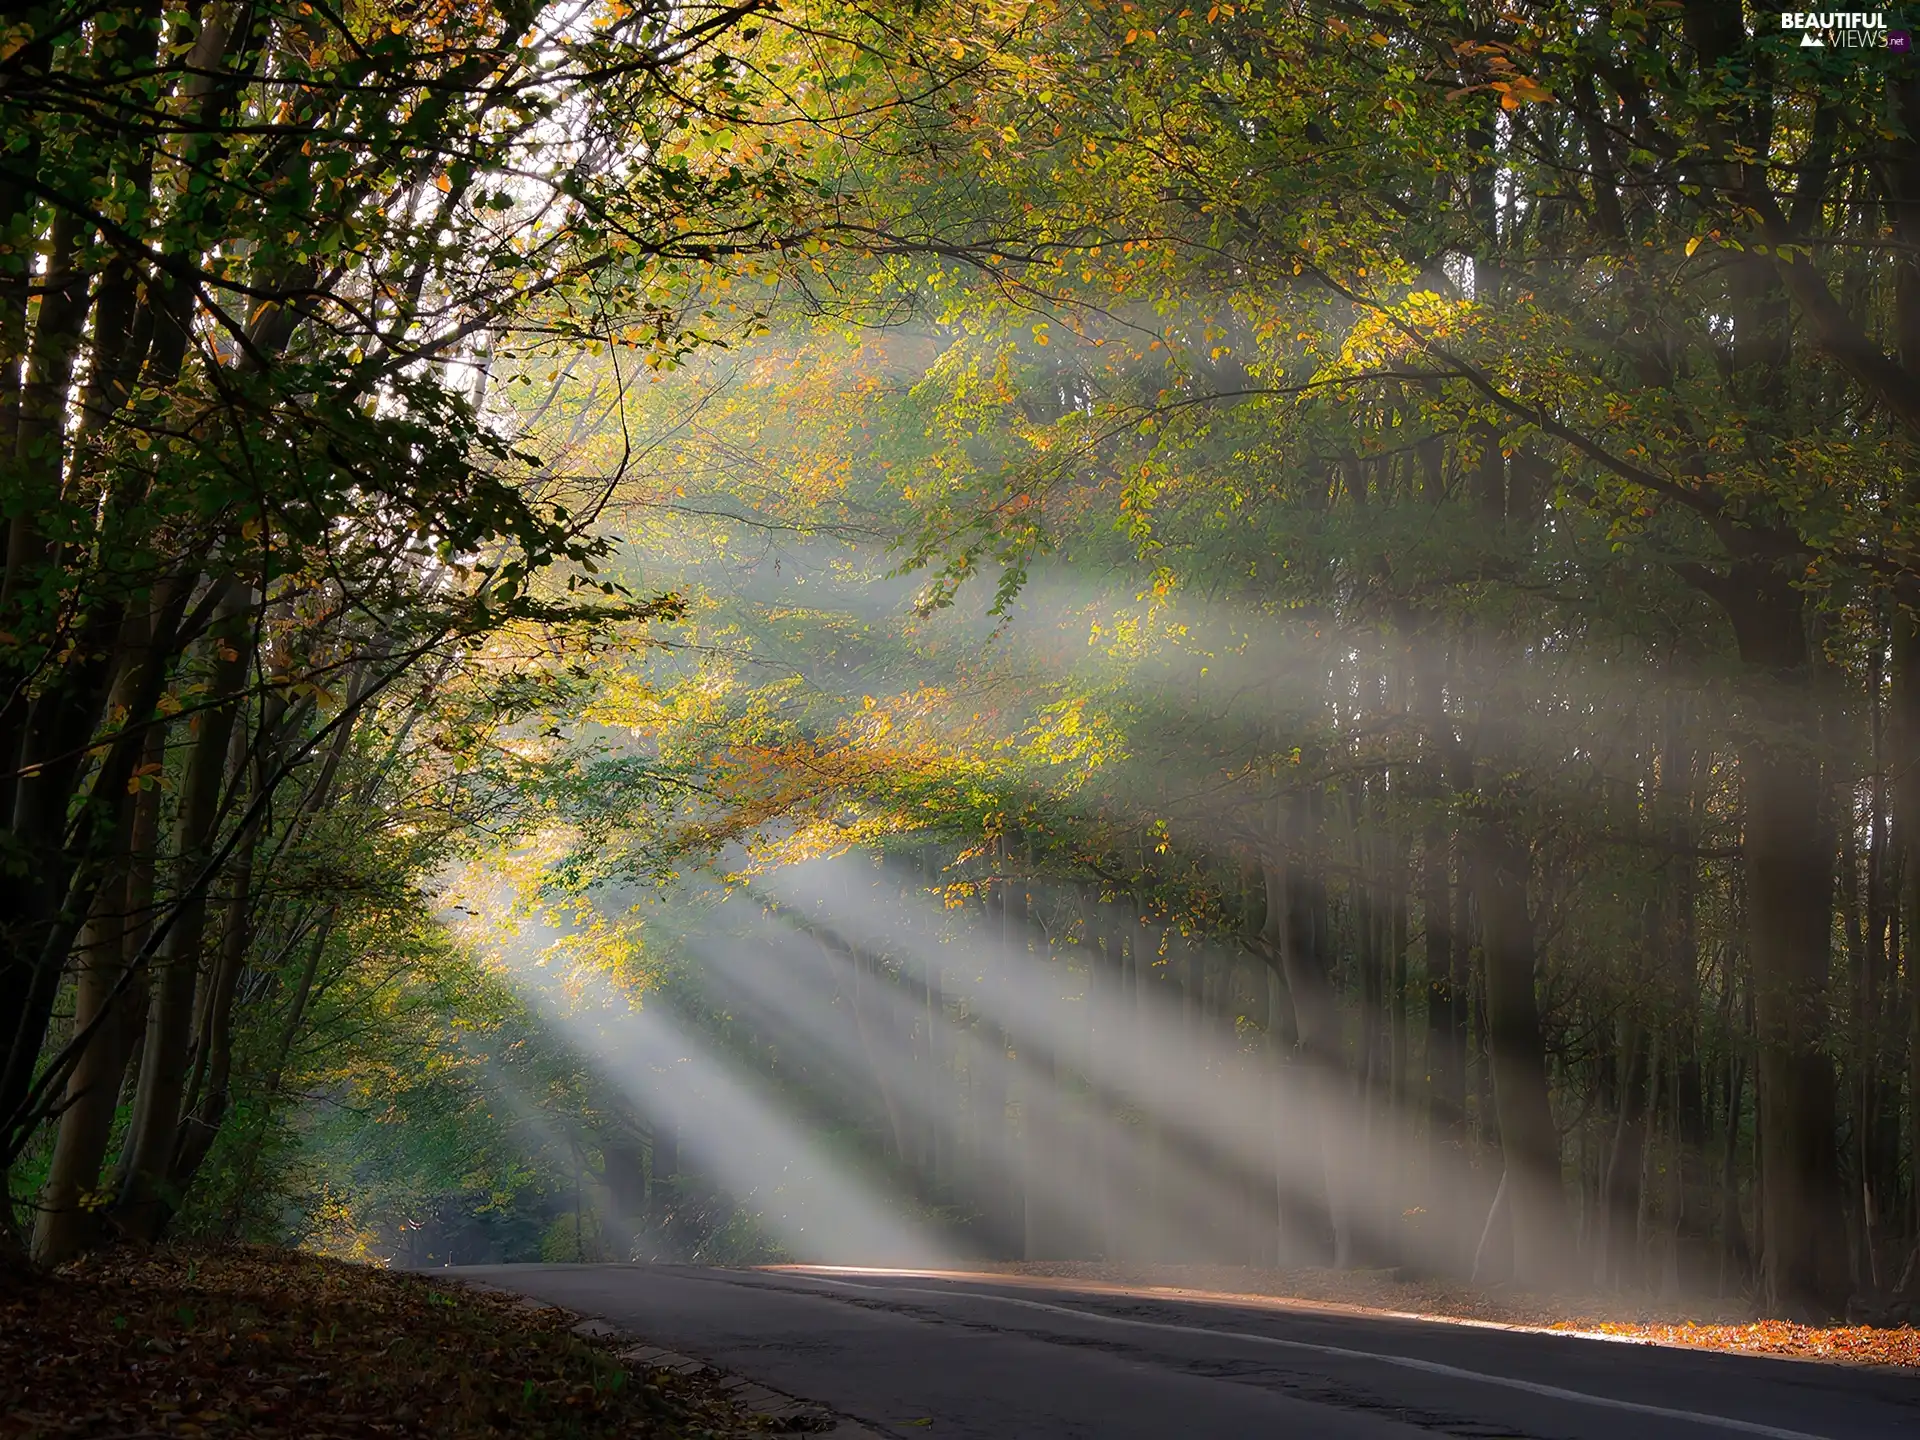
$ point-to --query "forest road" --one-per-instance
(914, 1355)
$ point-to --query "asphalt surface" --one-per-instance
(990, 1360)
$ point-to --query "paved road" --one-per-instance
(980, 1359)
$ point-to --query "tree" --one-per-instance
(262, 261)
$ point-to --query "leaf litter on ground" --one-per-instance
(253, 1341)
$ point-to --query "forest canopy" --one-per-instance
(1284, 634)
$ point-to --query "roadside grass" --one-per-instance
(252, 1341)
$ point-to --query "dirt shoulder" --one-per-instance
(1704, 1324)
(260, 1342)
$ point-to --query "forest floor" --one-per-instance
(249, 1342)
(1702, 1324)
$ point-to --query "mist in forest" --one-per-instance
(918, 1059)
(710, 1121)
(750, 637)
(1237, 985)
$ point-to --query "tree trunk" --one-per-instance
(864, 1022)
(1308, 959)
(209, 1095)
(663, 1187)
(1790, 869)
(145, 1199)
(62, 1225)
(623, 1164)
(1014, 1227)
(1446, 1038)
(1106, 980)
(1530, 1144)
(1398, 1088)
(1905, 766)
(123, 915)
(1734, 1251)
(1790, 894)
(1620, 1185)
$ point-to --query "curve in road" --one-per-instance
(976, 1359)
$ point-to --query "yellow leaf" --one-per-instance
(1693, 244)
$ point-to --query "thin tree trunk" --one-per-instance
(1530, 1143)
(1620, 1184)
(863, 1022)
(67, 1219)
(1733, 1244)
(1446, 1039)
(623, 1164)
(1004, 1200)
(209, 1095)
(1308, 960)
(145, 1199)
(1398, 1089)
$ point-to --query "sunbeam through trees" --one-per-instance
(1275, 635)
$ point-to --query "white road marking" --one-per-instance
(1405, 1362)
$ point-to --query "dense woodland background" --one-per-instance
(1279, 634)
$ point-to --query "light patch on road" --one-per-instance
(1405, 1362)
(1238, 1299)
